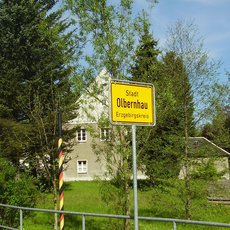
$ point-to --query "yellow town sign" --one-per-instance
(132, 103)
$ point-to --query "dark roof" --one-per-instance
(201, 146)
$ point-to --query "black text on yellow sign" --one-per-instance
(132, 103)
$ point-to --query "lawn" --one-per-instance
(85, 197)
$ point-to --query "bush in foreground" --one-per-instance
(15, 189)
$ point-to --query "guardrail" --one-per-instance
(85, 214)
(219, 200)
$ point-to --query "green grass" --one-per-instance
(85, 197)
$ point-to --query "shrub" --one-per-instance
(15, 189)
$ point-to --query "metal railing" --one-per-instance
(85, 214)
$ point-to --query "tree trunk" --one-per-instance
(187, 171)
(126, 177)
(127, 200)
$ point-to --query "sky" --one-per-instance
(212, 17)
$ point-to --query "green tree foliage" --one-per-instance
(161, 146)
(116, 152)
(13, 140)
(35, 69)
(168, 200)
(111, 30)
(184, 117)
(218, 130)
(146, 66)
(205, 169)
(15, 190)
(196, 86)
(217, 126)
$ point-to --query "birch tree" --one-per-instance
(201, 71)
(110, 31)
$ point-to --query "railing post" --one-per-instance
(83, 222)
(174, 225)
(21, 219)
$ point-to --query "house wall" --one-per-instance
(221, 165)
(82, 151)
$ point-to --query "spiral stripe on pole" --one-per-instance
(60, 180)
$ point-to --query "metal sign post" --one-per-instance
(132, 103)
(135, 177)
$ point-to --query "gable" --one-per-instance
(93, 103)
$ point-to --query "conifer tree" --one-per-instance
(160, 147)
(36, 55)
(145, 68)
(36, 67)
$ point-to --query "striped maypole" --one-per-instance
(60, 174)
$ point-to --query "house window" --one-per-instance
(82, 166)
(196, 143)
(105, 134)
(81, 135)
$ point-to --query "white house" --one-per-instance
(84, 164)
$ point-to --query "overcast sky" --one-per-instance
(212, 18)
